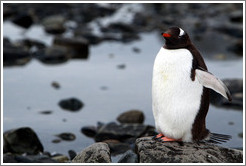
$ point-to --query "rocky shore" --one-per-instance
(74, 29)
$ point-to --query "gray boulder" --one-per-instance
(22, 140)
(151, 151)
(131, 116)
(95, 153)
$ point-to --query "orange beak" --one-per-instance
(166, 35)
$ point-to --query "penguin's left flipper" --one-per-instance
(210, 81)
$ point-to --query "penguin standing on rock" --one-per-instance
(180, 91)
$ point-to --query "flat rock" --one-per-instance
(120, 131)
(129, 157)
(132, 116)
(71, 104)
(78, 47)
(22, 140)
(151, 151)
(95, 153)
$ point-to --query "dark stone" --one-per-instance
(121, 66)
(95, 153)
(71, 104)
(56, 141)
(22, 140)
(135, 49)
(46, 112)
(54, 24)
(24, 20)
(120, 132)
(129, 157)
(53, 55)
(117, 147)
(237, 47)
(235, 86)
(14, 55)
(132, 116)
(89, 131)
(78, 47)
(151, 151)
(67, 136)
(56, 85)
(72, 154)
(236, 16)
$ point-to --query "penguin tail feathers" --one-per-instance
(218, 138)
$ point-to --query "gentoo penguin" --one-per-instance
(180, 91)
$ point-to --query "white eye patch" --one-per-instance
(181, 33)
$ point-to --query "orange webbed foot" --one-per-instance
(158, 136)
(166, 139)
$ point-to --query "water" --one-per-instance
(27, 90)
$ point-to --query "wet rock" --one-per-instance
(150, 151)
(14, 55)
(31, 44)
(95, 153)
(132, 116)
(236, 88)
(54, 24)
(23, 19)
(136, 50)
(14, 158)
(89, 131)
(78, 47)
(121, 66)
(61, 158)
(22, 140)
(72, 154)
(56, 141)
(129, 157)
(67, 136)
(71, 104)
(53, 55)
(56, 85)
(120, 132)
(46, 112)
(116, 147)
(236, 16)
(237, 47)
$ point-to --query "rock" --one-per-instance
(46, 112)
(116, 147)
(136, 50)
(56, 141)
(23, 19)
(61, 158)
(53, 55)
(237, 47)
(121, 66)
(129, 157)
(22, 140)
(72, 154)
(54, 24)
(120, 132)
(14, 158)
(67, 136)
(236, 88)
(95, 153)
(132, 116)
(151, 151)
(89, 131)
(14, 55)
(56, 85)
(71, 104)
(236, 16)
(78, 47)
(31, 43)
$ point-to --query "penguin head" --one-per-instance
(176, 38)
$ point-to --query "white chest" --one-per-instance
(175, 97)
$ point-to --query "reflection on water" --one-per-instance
(28, 90)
